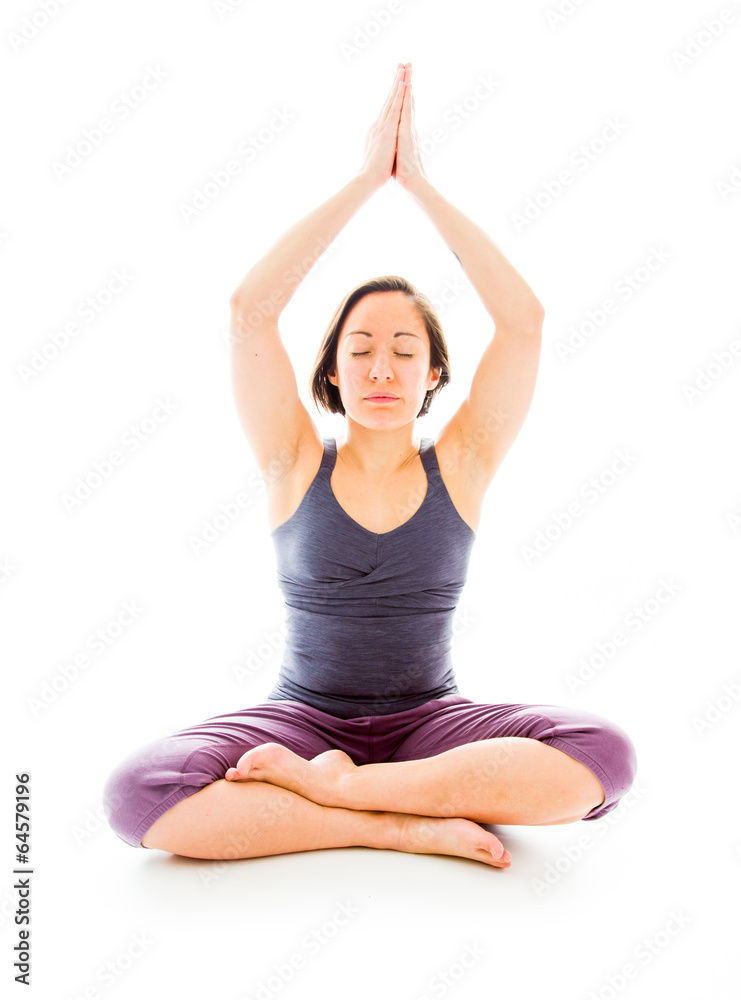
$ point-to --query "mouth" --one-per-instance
(380, 398)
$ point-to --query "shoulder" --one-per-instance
(461, 477)
(456, 461)
(285, 492)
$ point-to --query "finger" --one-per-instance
(394, 107)
(392, 93)
(389, 108)
(406, 105)
(409, 89)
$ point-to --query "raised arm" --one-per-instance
(274, 419)
(489, 419)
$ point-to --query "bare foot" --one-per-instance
(322, 779)
(457, 836)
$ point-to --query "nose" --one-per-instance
(381, 368)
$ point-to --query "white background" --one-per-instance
(580, 900)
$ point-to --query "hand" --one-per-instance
(380, 146)
(408, 169)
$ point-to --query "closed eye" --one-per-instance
(359, 354)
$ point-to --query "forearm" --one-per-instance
(272, 281)
(506, 295)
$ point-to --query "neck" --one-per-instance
(378, 453)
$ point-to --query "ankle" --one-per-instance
(382, 830)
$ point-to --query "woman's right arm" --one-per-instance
(274, 419)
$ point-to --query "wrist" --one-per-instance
(367, 183)
(421, 190)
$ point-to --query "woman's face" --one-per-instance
(383, 348)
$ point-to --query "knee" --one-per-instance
(152, 779)
(619, 763)
(121, 798)
(622, 758)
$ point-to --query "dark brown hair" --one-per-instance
(325, 394)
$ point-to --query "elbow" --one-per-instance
(530, 321)
(235, 301)
(246, 301)
(534, 322)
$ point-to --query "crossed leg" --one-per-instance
(512, 780)
(440, 777)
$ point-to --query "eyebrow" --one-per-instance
(399, 333)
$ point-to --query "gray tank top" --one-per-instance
(369, 616)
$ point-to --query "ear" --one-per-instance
(332, 375)
(435, 374)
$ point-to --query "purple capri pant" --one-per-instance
(155, 777)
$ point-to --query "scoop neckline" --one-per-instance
(379, 534)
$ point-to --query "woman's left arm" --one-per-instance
(488, 421)
(506, 296)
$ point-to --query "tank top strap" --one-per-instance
(428, 456)
(426, 453)
(329, 457)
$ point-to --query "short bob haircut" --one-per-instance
(327, 395)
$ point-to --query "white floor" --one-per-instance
(640, 904)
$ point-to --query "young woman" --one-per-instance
(365, 738)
